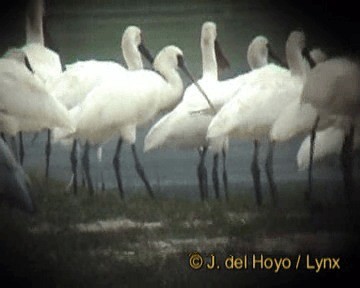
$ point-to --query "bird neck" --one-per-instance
(34, 22)
(295, 61)
(132, 56)
(256, 58)
(173, 90)
(209, 59)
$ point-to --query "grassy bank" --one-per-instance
(101, 241)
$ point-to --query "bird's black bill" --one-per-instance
(146, 53)
(307, 56)
(276, 58)
(221, 60)
(27, 64)
(181, 64)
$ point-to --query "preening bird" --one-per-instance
(45, 63)
(25, 104)
(260, 100)
(14, 183)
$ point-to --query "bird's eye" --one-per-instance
(27, 64)
(180, 60)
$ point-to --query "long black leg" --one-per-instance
(116, 164)
(202, 174)
(2, 135)
(199, 175)
(48, 152)
(309, 192)
(140, 170)
(255, 171)
(270, 173)
(347, 164)
(74, 161)
(21, 149)
(14, 147)
(215, 176)
(86, 166)
(99, 158)
(225, 177)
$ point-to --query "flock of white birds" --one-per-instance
(93, 101)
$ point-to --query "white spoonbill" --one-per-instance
(258, 103)
(298, 117)
(45, 62)
(14, 183)
(186, 130)
(332, 88)
(80, 78)
(328, 142)
(179, 128)
(127, 100)
(25, 104)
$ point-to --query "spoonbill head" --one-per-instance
(132, 46)
(80, 78)
(295, 45)
(211, 51)
(178, 128)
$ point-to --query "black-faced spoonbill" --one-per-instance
(181, 128)
(45, 62)
(251, 113)
(127, 100)
(25, 104)
(178, 128)
(80, 78)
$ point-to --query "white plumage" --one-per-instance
(298, 117)
(45, 64)
(184, 128)
(332, 88)
(259, 101)
(328, 142)
(129, 99)
(25, 104)
(44, 61)
(251, 113)
(79, 78)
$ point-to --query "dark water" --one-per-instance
(82, 30)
